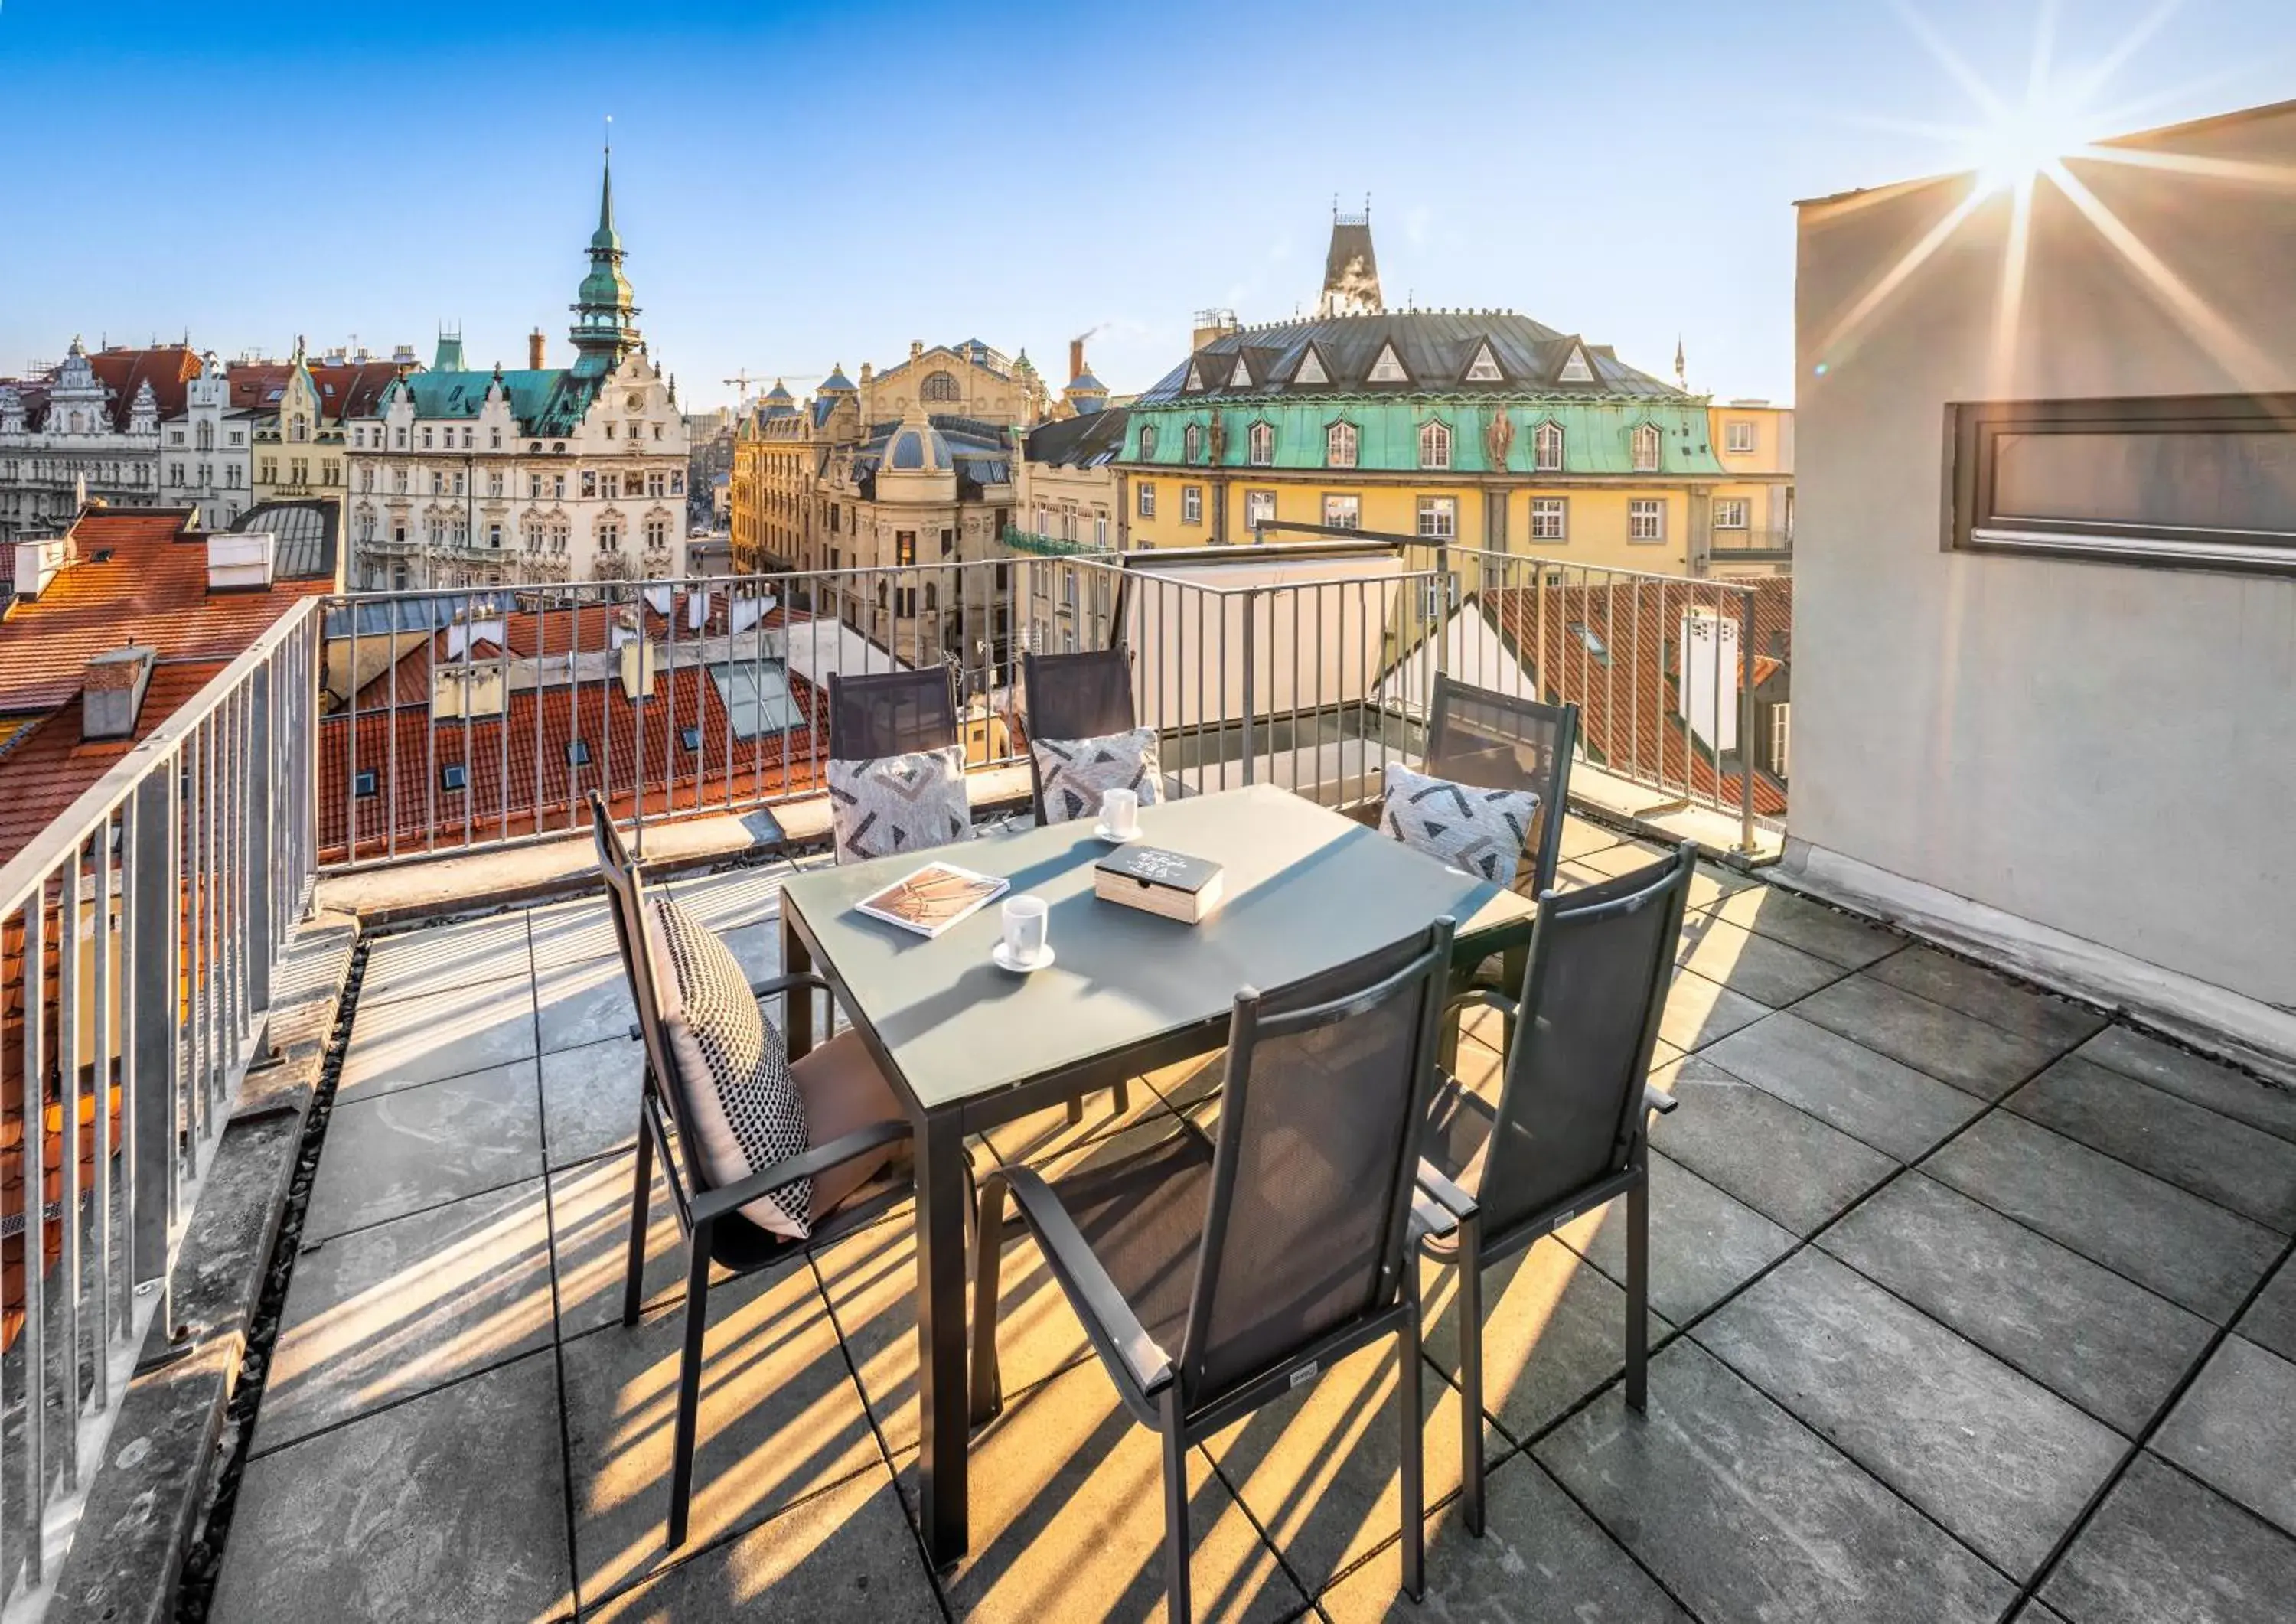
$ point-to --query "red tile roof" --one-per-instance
(123, 371)
(152, 590)
(255, 386)
(351, 391)
(44, 767)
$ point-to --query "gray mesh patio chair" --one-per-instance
(852, 1114)
(1084, 695)
(1566, 1132)
(1501, 742)
(891, 713)
(1215, 1274)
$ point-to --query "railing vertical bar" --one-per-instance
(106, 1041)
(35, 1235)
(67, 1014)
(1748, 602)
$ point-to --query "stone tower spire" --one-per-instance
(1350, 268)
(605, 328)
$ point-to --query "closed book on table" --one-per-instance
(1154, 881)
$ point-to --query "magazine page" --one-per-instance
(933, 898)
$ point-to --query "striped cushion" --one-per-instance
(1076, 773)
(1463, 824)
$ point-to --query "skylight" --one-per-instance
(756, 694)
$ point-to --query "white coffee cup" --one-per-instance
(1119, 813)
(1025, 930)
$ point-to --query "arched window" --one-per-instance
(1340, 445)
(1646, 448)
(1147, 440)
(1192, 443)
(1434, 446)
(940, 386)
(1260, 443)
(1546, 447)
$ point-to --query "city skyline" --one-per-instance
(798, 191)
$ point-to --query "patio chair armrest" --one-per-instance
(1660, 1102)
(1080, 1271)
(773, 984)
(1490, 997)
(717, 1203)
(1430, 1217)
(1455, 1200)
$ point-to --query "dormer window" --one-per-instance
(1259, 445)
(1192, 443)
(1340, 444)
(1434, 445)
(1147, 441)
(1195, 381)
(1311, 369)
(1575, 370)
(1240, 378)
(1388, 368)
(1485, 367)
(1546, 447)
(1646, 448)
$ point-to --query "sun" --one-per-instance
(2026, 138)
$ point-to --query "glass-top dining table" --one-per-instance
(968, 1044)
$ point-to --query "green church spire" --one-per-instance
(606, 329)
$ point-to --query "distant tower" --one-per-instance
(449, 356)
(606, 329)
(1351, 269)
(1681, 368)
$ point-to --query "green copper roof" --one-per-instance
(1597, 436)
(547, 404)
(604, 328)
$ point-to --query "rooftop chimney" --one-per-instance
(1075, 359)
(404, 355)
(113, 696)
(1210, 326)
(38, 561)
(534, 350)
(240, 561)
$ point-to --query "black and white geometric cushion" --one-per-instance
(898, 803)
(1076, 773)
(732, 1068)
(1480, 830)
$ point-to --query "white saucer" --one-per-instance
(1102, 832)
(1007, 961)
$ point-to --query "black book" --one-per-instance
(1157, 880)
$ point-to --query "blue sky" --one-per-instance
(803, 186)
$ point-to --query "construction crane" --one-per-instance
(742, 380)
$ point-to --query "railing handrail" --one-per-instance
(31, 866)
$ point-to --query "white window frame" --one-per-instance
(1645, 520)
(1147, 499)
(1550, 517)
(1646, 448)
(1342, 445)
(1738, 438)
(1732, 513)
(1259, 445)
(1439, 518)
(1258, 508)
(1549, 433)
(1192, 505)
(1347, 518)
(1435, 445)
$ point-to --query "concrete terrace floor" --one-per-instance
(1968, 1306)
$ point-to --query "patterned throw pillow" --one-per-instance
(1480, 830)
(733, 1070)
(1076, 773)
(898, 803)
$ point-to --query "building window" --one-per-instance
(493, 535)
(905, 546)
(610, 536)
(1340, 445)
(1192, 505)
(1147, 441)
(453, 778)
(1259, 444)
(534, 486)
(1147, 501)
(1546, 447)
(1549, 518)
(940, 386)
(577, 752)
(948, 540)
(363, 784)
(1434, 446)
(1739, 437)
(657, 534)
(1645, 449)
(1192, 443)
(1343, 513)
(1439, 517)
(1730, 513)
(1646, 519)
(494, 484)
(1259, 509)
(589, 483)
(426, 439)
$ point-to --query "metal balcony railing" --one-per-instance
(139, 934)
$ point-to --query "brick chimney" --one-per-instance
(112, 697)
(535, 343)
(1075, 359)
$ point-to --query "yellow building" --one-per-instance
(300, 441)
(1753, 510)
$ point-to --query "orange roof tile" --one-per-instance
(46, 768)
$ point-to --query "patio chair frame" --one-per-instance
(1554, 795)
(1073, 712)
(852, 698)
(1474, 1247)
(1167, 1390)
(708, 1216)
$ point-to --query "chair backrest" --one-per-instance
(664, 1103)
(1325, 1101)
(1498, 741)
(1570, 1104)
(891, 713)
(1085, 695)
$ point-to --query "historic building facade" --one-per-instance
(205, 460)
(88, 427)
(1479, 427)
(466, 478)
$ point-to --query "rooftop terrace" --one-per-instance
(1968, 1303)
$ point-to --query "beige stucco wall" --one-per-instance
(2107, 749)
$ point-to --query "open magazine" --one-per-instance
(933, 898)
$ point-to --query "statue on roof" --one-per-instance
(1498, 436)
(1218, 438)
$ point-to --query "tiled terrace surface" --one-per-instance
(1967, 1304)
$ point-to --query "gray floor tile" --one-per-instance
(447, 1507)
(2231, 1163)
(1869, 1096)
(2234, 1429)
(2190, 1251)
(1811, 926)
(590, 1100)
(2163, 1547)
(845, 1554)
(385, 1313)
(1784, 1163)
(1748, 1515)
(1580, 837)
(589, 1242)
(583, 1004)
(444, 958)
(2204, 1082)
(1530, 1529)
(1766, 970)
(2108, 1345)
(1970, 1053)
(1957, 984)
(571, 934)
(2271, 1322)
(439, 1034)
(1703, 1245)
(1700, 1012)
(1996, 1458)
(422, 1147)
(738, 896)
